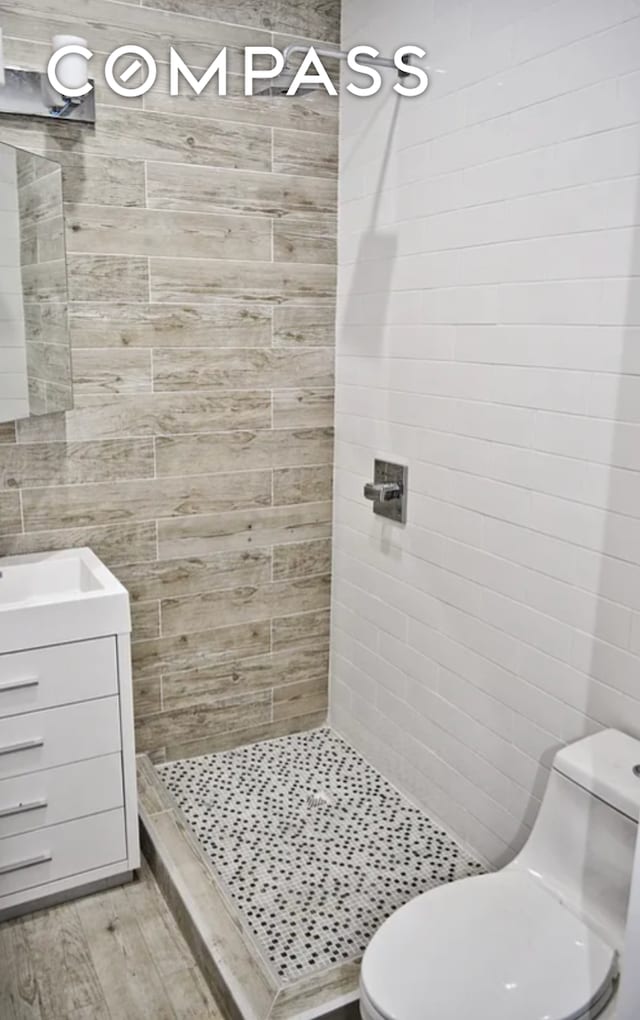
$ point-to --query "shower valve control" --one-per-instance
(382, 491)
(388, 491)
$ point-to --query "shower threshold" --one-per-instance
(280, 860)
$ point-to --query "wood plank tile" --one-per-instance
(153, 797)
(49, 361)
(142, 325)
(308, 996)
(303, 408)
(313, 155)
(301, 558)
(145, 616)
(42, 241)
(163, 939)
(304, 326)
(200, 650)
(242, 369)
(105, 417)
(161, 137)
(210, 369)
(99, 1011)
(283, 37)
(206, 189)
(18, 984)
(201, 687)
(83, 505)
(172, 578)
(322, 21)
(228, 714)
(44, 281)
(302, 484)
(242, 451)
(204, 535)
(106, 370)
(51, 239)
(244, 605)
(61, 963)
(7, 432)
(40, 19)
(95, 277)
(48, 323)
(190, 996)
(302, 698)
(40, 199)
(40, 464)
(172, 206)
(90, 178)
(319, 116)
(166, 138)
(306, 240)
(208, 922)
(10, 516)
(130, 982)
(113, 543)
(49, 973)
(215, 742)
(301, 630)
(194, 280)
(147, 694)
(131, 231)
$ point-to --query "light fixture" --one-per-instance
(31, 94)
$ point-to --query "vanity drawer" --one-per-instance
(57, 675)
(44, 740)
(57, 795)
(58, 851)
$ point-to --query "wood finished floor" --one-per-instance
(117, 955)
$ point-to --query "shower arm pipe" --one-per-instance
(337, 55)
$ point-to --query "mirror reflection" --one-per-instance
(35, 364)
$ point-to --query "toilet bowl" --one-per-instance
(540, 939)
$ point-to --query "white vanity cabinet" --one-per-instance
(68, 806)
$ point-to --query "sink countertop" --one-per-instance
(56, 597)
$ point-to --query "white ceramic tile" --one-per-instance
(300, 830)
(489, 334)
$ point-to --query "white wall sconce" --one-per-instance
(31, 94)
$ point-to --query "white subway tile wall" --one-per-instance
(489, 335)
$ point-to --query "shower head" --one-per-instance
(280, 86)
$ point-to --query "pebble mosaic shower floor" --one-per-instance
(314, 847)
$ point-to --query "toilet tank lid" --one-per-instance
(604, 764)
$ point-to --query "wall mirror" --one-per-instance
(35, 361)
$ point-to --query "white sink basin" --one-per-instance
(57, 597)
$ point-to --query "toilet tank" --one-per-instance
(583, 842)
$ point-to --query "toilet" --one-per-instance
(539, 940)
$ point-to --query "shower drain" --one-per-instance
(321, 799)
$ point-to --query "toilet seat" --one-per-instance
(498, 947)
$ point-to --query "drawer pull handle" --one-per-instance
(17, 685)
(28, 862)
(20, 809)
(25, 745)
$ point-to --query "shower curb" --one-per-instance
(226, 953)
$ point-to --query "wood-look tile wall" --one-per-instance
(197, 459)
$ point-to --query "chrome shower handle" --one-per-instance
(382, 492)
